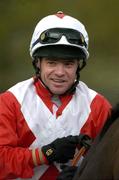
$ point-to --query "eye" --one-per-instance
(51, 62)
(69, 63)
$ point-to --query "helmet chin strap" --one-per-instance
(72, 88)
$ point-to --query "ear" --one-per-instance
(38, 63)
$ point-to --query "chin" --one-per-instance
(58, 92)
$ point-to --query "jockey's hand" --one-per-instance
(84, 140)
(61, 150)
(67, 173)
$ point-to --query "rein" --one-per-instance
(78, 155)
(86, 144)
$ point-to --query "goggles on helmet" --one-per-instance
(54, 35)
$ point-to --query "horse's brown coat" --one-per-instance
(102, 160)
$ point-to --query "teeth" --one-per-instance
(58, 80)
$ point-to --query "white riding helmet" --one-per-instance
(59, 29)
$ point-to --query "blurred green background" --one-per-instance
(18, 19)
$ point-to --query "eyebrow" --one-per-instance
(61, 59)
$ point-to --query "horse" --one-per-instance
(102, 159)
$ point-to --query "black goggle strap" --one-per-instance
(82, 64)
(80, 67)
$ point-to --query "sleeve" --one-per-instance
(15, 161)
(100, 110)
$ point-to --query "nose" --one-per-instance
(60, 70)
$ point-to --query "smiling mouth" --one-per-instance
(58, 81)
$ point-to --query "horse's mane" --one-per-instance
(113, 116)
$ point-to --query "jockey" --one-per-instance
(41, 117)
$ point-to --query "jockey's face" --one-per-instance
(58, 74)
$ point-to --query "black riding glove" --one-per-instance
(67, 173)
(61, 150)
(84, 140)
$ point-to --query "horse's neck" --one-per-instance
(114, 116)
